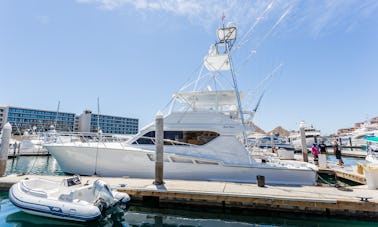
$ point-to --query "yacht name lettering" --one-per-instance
(228, 126)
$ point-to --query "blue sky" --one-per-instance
(134, 54)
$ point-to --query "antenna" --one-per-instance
(99, 133)
(56, 116)
(256, 107)
(223, 17)
(98, 115)
(258, 102)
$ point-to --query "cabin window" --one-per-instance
(147, 138)
(179, 137)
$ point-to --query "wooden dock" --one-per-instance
(350, 176)
(345, 174)
(329, 201)
(353, 154)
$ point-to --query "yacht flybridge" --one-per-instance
(204, 136)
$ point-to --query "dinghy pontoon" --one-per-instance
(69, 199)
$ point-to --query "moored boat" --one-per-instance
(69, 199)
(372, 149)
(205, 136)
(312, 136)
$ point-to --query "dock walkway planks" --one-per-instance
(301, 199)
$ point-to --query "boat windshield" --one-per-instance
(179, 137)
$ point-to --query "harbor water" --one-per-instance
(144, 214)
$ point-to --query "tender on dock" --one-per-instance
(356, 201)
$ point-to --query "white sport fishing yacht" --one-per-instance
(312, 136)
(204, 137)
(357, 137)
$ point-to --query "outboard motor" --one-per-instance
(104, 195)
(101, 204)
(122, 198)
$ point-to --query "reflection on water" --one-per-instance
(348, 161)
(43, 165)
(139, 215)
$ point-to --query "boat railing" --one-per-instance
(152, 141)
(80, 139)
(83, 138)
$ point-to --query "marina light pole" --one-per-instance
(303, 141)
(159, 137)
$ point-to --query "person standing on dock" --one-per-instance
(323, 148)
(14, 148)
(315, 153)
(337, 152)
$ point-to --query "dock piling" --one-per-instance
(6, 134)
(303, 141)
(159, 136)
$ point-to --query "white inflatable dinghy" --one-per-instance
(68, 199)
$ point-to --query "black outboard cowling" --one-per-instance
(101, 204)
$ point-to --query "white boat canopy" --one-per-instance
(209, 100)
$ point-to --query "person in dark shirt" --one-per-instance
(337, 152)
(322, 148)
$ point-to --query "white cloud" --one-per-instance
(321, 17)
(179, 7)
(313, 16)
(200, 12)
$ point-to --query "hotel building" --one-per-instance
(89, 122)
(23, 119)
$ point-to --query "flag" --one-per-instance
(223, 16)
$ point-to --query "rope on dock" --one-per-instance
(338, 186)
(329, 184)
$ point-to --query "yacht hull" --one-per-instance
(140, 164)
